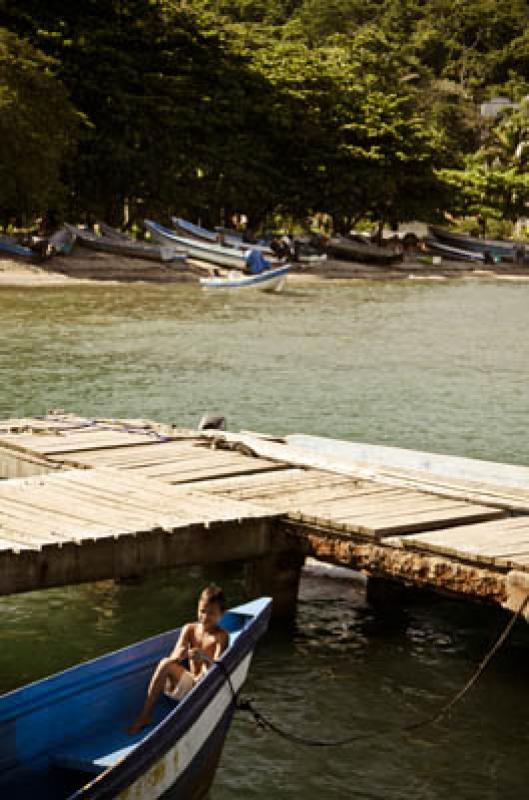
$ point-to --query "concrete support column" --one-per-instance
(276, 575)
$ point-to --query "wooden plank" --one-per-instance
(408, 507)
(267, 481)
(131, 455)
(14, 546)
(379, 527)
(327, 494)
(127, 506)
(147, 492)
(342, 503)
(503, 543)
(63, 443)
(206, 473)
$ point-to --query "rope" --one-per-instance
(108, 426)
(267, 724)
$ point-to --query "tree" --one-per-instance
(38, 126)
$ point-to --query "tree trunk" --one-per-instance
(380, 232)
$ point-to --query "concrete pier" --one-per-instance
(86, 499)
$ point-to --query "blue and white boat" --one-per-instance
(11, 247)
(203, 251)
(270, 280)
(454, 253)
(186, 228)
(64, 737)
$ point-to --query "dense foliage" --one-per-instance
(279, 108)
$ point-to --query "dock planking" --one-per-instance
(503, 543)
(361, 507)
(120, 497)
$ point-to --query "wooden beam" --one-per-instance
(130, 555)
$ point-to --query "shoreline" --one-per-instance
(103, 269)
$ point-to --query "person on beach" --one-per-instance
(199, 645)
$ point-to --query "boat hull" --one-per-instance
(454, 253)
(12, 248)
(202, 251)
(341, 248)
(128, 248)
(188, 229)
(271, 281)
(495, 247)
(199, 777)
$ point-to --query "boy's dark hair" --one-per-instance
(214, 594)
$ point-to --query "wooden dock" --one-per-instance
(88, 499)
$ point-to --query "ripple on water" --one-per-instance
(436, 367)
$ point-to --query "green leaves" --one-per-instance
(275, 107)
(38, 127)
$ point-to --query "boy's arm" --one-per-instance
(222, 644)
(181, 648)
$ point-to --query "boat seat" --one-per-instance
(94, 754)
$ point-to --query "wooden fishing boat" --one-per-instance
(271, 280)
(188, 229)
(64, 738)
(341, 248)
(11, 247)
(203, 251)
(508, 251)
(113, 233)
(229, 232)
(128, 247)
(62, 241)
(454, 253)
(300, 250)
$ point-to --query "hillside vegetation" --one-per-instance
(362, 109)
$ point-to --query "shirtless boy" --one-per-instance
(200, 643)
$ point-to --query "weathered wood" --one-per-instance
(131, 555)
(118, 502)
(424, 570)
(504, 542)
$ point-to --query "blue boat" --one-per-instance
(64, 737)
(13, 248)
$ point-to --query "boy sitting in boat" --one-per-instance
(199, 645)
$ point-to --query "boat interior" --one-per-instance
(58, 734)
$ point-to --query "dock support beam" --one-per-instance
(277, 575)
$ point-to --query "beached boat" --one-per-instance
(271, 280)
(11, 247)
(508, 251)
(350, 250)
(113, 233)
(62, 241)
(203, 251)
(64, 738)
(454, 253)
(199, 233)
(127, 247)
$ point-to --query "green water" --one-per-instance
(441, 367)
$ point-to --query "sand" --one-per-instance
(89, 267)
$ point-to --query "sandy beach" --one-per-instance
(16, 273)
(89, 267)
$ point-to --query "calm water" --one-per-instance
(435, 366)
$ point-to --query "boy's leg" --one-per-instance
(166, 669)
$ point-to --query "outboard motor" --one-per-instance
(212, 422)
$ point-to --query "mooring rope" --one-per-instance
(266, 723)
